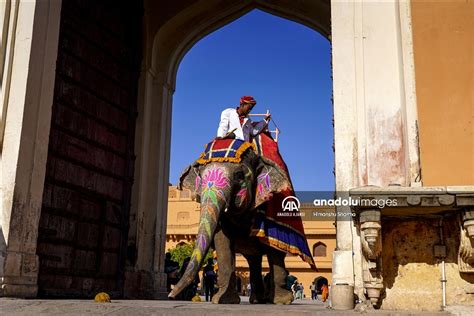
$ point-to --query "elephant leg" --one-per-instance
(227, 293)
(256, 282)
(276, 260)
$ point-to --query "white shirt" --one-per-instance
(230, 121)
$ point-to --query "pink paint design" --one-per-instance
(197, 183)
(214, 178)
(213, 183)
(242, 194)
(263, 184)
(201, 241)
(264, 179)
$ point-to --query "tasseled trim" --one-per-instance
(238, 153)
(281, 236)
(279, 223)
(280, 245)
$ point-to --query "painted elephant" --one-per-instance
(229, 203)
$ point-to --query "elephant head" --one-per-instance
(226, 187)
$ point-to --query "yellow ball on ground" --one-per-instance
(102, 297)
(196, 298)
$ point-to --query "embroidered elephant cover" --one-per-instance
(284, 233)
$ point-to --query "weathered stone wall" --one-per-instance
(89, 173)
(411, 273)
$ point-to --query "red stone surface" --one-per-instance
(86, 199)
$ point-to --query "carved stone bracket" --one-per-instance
(370, 229)
(466, 245)
(371, 240)
(468, 222)
(373, 281)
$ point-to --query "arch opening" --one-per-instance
(166, 44)
(319, 249)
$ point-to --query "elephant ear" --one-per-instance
(191, 179)
(271, 179)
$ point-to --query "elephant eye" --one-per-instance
(239, 175)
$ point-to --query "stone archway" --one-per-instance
(375, 116)
(359, 94)
(165, 49)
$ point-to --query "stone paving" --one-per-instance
(305, 307)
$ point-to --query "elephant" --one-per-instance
(231, 193)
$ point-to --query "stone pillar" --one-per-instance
(145, 278)
(165, 146)
(374, 113)
(26, 102)
(345, 141)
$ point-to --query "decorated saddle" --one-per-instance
(224, 150)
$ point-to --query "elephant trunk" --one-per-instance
(207, 227)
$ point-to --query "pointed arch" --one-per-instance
(179, 34)
(170, 30)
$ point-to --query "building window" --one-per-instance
(319, 249)
(172, 194)
(184, 194)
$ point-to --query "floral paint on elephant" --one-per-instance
(197, 183)
(244, 195)
(263, 184)
(213, 182)
(241, 197)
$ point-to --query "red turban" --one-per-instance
(246, 99)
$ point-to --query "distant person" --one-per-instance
(238, 285)
(302, 290)
(249, 290)
(297, 291)
(324, 292)
(290, 280)
(209, 279)
(314, 293)
(294, 289)
(171, 270)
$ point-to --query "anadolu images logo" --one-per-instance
(290, 204)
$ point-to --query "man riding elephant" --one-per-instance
(241, 180)
(235, 123)
(257, 133)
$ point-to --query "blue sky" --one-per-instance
(286, 67)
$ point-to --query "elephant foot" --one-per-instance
(226, 297)
(283, 296)
(256, 299)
